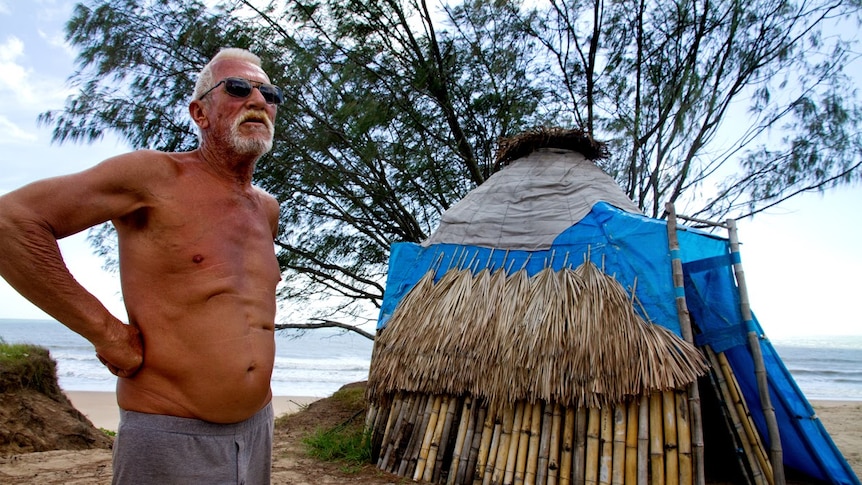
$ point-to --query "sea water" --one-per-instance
(318, 362)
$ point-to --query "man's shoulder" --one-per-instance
(147, 164)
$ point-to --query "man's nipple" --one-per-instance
(197, 258)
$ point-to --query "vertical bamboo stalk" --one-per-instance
(606, 443)
(436, 437)
(568, 447)
(430, 424)
(554, 452)
(523, 444)
(396, 417)
(686, 476)
(618, 475)
(632, 443)
(492, 440)
(496, 467)
(547, 431)
(656, 442)
(403, 433)
(685, 328)
(469, 471)
(580, 454)
(417, 434)
(533, 450)
(464, 428)
(591, 464)
(671, 454)
(443, 453)
(511, 456)
(775, 452)
(643, 440)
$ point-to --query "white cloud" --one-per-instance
(4, 8)
(12, 133)
(20, 87)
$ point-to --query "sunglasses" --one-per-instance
(241, 88)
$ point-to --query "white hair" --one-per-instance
(205, 78)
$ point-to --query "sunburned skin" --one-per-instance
(201, 292)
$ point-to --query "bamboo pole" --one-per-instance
(580, 452)
(464, 429)
(686, 471)
(618, 474)
(429, 425)
(436, 438)
(757, 448)
(415, 431)
(512, 455)
(488, 448)
(591, 464)
(534, 444)
(500, 448)
(656, 442)
(739, 433)
(548, 430)
(643, 440)
(631, 459)
(396, 417)
(606, 445)
(775, 452)
(554, 451)
(444, 453)
(685, 328)
(404, 432)
(671, 455)
(469, 470)
(568, 447)
(524, 444)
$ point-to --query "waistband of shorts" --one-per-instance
(194, 426)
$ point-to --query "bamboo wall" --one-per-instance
(454, 440)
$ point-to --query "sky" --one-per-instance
(802, 260)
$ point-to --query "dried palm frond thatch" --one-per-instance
(523, 144)
(569, 336)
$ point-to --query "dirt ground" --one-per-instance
(291, 464)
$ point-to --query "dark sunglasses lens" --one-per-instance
(272, 94)
(237, 87)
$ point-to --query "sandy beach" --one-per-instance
(101, 407)
(843, 419)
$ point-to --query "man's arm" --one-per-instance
(35, 216)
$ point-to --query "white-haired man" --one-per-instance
(198, 275)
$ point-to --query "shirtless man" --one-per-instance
(198, 274)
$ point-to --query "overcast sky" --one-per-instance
(802, 260)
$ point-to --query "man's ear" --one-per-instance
(198, 114)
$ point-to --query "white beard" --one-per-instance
(250, 145)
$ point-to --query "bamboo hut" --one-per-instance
(549, 333)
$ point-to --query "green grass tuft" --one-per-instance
(24, 366)
(350, 445)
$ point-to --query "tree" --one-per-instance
(394, 110)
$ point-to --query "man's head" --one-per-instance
(234, 104)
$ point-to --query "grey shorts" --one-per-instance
(156, 449)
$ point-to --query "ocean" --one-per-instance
(319, 362)
(315, 364)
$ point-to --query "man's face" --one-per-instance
(246, 124)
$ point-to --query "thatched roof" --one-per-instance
(570, 336)
(523, 144)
